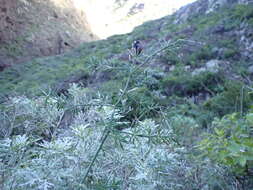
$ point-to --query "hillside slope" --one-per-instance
(30, 29)
(178, 116)
(225, 35)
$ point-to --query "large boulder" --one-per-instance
(212, 66)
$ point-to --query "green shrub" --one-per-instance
(185, 84)
(206, 22)
(170, 58)
(234, 98)
(243, 12)
(231, 53)
(204, 53)
(231, 143)
(137, 104)
(151, 154)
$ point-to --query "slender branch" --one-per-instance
(149, 136)
(58, 124)
(108, 131)
(241, 100)
(86, 105)
(207, 89)
(170, 44)
(96, 155)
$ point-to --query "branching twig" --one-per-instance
(150, 136)
(108, 131)
(207, 89)
(96, 155)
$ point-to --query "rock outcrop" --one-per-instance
(38, 28)
(203, 7)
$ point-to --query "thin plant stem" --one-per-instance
(106, 131)
(96, 155)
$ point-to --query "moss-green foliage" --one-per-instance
(230, 53)
(140, 100)
(234, 98)
(140, 103)
(231, 142)
(206, 22)
(147, 31)
(170, 58)
(184, 83)
(12, 50)
(170, 27)
(203, 30)
(40, 74)
(205, 53)
(229, 17)
(230, 47)
(243, 12)
(43, 73)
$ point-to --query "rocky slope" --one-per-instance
(240, 32)
(37, 28)
(221, 33)
(30, 29)
(178, 116)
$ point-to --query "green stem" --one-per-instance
(120, 98)
(95, 156)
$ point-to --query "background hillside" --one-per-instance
(178, 116)
(30, 29)
(36, 28)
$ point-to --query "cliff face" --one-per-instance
(37, 28)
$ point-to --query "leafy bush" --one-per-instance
(231, 143)
(183, 83)
(231, 53)
(234, 98)
(152, 155)
(38, 116)
(243, 12)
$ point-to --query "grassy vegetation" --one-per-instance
(132, 126)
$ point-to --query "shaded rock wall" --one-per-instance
(37, 28)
